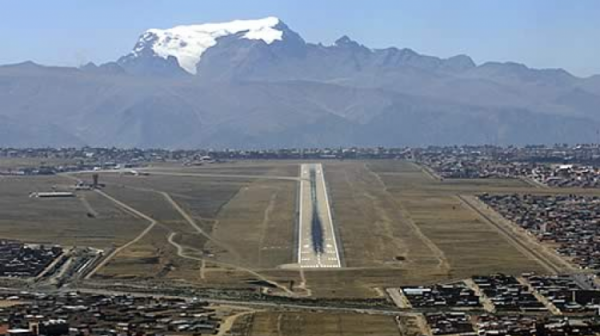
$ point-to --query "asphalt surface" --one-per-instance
(317, 246)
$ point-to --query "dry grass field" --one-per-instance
(62, 221)
(262, 167)
(13, 163)
(467, 244)
(149, 258)
(237, 223)
(320, 323)
(373, 229)
(259, 223)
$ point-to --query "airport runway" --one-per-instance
(317, 246)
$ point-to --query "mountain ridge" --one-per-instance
(252, 91)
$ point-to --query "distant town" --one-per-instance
(555, 166)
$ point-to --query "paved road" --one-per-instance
(264, 304)
(317, 245)
(243, 303)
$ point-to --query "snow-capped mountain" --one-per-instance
(267, 49)
(187, 44)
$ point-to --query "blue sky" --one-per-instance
(539, 33)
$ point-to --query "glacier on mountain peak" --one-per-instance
(188, 43)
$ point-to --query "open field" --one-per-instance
(9, 163)
(323, 324)
(62, 221)
(467, 243)
(259, 224)
(224, 221)
(148, 258)
(373, 230)
(257, 168)
(204, 195)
